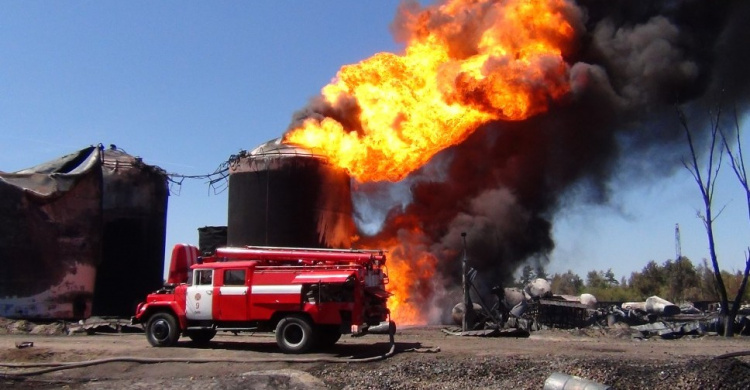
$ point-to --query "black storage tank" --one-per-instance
(284, 195)
(210, 238)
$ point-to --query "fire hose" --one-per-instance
(733, 354)
(59, 366)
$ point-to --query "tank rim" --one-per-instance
(278, 148)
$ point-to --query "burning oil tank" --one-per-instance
(50, 240)
(134, 219)
(284, 195)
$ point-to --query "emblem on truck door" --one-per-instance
(197, 296)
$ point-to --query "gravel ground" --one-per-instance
(525, 373)
(426, 358)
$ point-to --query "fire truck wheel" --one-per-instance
(328, 335)
(161, 330)
(294, 334)
(201, 336)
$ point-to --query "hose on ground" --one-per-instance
(733, 354)
(59, 366)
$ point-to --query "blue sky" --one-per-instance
(186, 84)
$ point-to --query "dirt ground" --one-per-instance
(425, 358)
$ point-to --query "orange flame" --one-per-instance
(466, 63)
(507, 65)
(411, 270)
(406, 274)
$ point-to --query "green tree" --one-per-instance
(649, 281)
(681, 279)
(596, 280)
(609, 277)
(706, 283)
(734, 283)
(568, 283)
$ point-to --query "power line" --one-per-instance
(217, 180)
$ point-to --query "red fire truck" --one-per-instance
(309, 297)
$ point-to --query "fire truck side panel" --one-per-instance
(272, 291)
(331, 313)
(232, 294)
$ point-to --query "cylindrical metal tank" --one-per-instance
(284, 195)
(658, 305)
(539, 288)
(134, 216)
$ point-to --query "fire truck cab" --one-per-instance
(308, 297)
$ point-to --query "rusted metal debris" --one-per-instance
(91, 325)
(561, 314)
(96, 325)
(535, 307)
(493, 332)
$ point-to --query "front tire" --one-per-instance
(294, 334)
(162, 330)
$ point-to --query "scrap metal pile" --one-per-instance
(535, 307)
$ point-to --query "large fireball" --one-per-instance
(486, 60)
(466, 62)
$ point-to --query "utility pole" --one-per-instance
(677, 243)
(468, 320)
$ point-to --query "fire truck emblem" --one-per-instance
(197, 296)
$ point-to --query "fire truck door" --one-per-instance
(199, 300)
(233, 299)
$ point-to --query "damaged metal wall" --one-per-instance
(80, 235)
(282, 195)
(50, 240)
(134, 212)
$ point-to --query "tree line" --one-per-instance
(674, 280)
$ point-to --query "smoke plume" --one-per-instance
(631, 64)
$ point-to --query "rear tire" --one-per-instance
(201, 336)
(294, 334)
(162, 330)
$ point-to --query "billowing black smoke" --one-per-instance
(635, 62)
